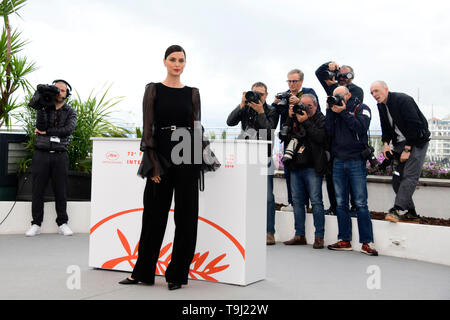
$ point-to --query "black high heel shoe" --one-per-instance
(129, 281)
(174, 286)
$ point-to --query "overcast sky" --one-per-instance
(232, 44)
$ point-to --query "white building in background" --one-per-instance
(439, 148)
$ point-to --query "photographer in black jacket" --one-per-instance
(258, 122)
(331, 75)
(282, 101)
(55, 122)
(403, 124)
(307, 159)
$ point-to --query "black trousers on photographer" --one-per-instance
(54, 166)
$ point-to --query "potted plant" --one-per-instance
(94, 119)
(13, 72)
(13, 68)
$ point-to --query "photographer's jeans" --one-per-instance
(270, 200)
(304, 182)
(346, 174)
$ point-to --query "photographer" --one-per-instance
(331, 75)
(258, 122)
(347, 122)
(55, 122)
(306, 158)
(403, 124)
(281, 103)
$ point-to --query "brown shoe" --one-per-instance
(393, 215)
(318, 243)
(296, 241)
(270, 239)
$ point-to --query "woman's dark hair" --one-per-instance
(172, 49)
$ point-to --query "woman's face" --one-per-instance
(175, 63)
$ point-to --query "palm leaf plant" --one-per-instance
(13, 68)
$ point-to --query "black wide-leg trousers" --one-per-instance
(55, 167)
(183, 180)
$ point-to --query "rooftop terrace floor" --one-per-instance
(37, 268)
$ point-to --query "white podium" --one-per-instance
(231, 242)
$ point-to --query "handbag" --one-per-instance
(210, 163)
(42, 142)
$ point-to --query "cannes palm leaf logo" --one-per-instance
(196, 270)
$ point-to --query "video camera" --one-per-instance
(44, 97)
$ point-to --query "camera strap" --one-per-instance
(368, 131)
(356, 108)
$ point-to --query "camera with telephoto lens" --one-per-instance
(344, 76)
(284, 97)
(44, 97)
(252, 96)
(290, 150)
(336, 100)
(367, 154)
(391, 159)
(300, 108)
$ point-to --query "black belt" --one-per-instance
(173, 128)
(51, 151)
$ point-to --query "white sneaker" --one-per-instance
(33, 231)
(65, 230)
(288, 208)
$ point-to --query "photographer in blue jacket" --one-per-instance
(347, 122)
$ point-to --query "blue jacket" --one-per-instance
(348, 130)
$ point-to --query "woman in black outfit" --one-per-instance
(166, 106)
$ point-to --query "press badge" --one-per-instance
(55, 139)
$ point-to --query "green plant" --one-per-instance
(13, 69)
(94, 119)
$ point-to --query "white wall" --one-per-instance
(20, 218)
(433, 202)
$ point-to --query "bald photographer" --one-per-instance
(55, 122)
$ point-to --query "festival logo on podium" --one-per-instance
(122, 252)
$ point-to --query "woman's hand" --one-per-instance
(156, 179)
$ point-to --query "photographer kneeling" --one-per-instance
(306, 158)
(258, 122)
(55, 122)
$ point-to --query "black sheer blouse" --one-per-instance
(164, 107)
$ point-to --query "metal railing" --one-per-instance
(438, 151)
